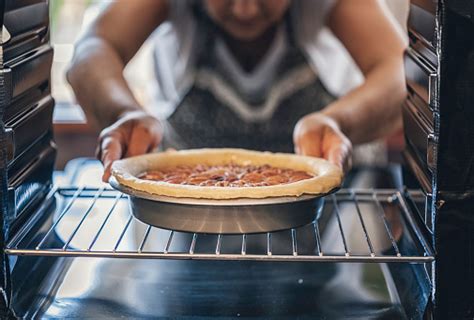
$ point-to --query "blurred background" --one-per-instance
(68, 20)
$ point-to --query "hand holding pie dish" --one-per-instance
(227, 174)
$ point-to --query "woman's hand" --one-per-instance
(134, 133)
(318, 135)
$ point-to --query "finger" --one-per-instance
(340, 156)
(309, 145)
(156, 142)
(335, 156)
(140, 141)
(111, 150)
(98, 151)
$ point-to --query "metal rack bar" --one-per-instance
(414, 226)
(168, 243)
(192, 246)
(219, 244)
(116, 201)
(145, 237)
(244, 245)
(362, 223)
(63, 213)
(37, 245)
(386, 223)
(317, 237)
(86, 214)
(294, 244)
(123, 233)
(338, 215)
(212, 256)
(269, 244)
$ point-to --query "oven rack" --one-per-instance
(355, 226)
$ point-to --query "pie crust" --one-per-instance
(326, 176)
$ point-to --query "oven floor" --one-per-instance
(125, 288)
(101, 288)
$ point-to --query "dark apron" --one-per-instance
(200, 120)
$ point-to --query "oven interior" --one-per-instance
(390, 244)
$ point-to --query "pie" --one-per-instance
(227, 174)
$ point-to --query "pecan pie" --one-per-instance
(227, 174)
(231, 175)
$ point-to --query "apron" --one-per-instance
(204, 118)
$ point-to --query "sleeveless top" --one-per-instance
(182, 81)
(226, 107)
(179, 42)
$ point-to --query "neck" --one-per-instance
(250, 53)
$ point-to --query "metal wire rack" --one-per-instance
(356, 226)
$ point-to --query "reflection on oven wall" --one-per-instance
(27, 108)
(89, 287)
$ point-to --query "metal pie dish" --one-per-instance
(233, 216)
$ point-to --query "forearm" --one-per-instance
(96, 76)
(372, 110)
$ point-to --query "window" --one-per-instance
(69, 18)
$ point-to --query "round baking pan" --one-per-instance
(236, 216)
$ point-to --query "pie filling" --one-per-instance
(230, 175)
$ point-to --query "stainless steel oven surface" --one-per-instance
(232, 282)
(395, 242)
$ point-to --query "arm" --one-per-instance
(96, 76)
(373, 109)
(377, 46)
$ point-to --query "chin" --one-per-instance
(245, 35)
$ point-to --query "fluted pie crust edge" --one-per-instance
(327, 176)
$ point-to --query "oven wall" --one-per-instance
(454, 221)
(439, 135)
(4, 288)
(27, 149)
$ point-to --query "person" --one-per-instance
(260, 74)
